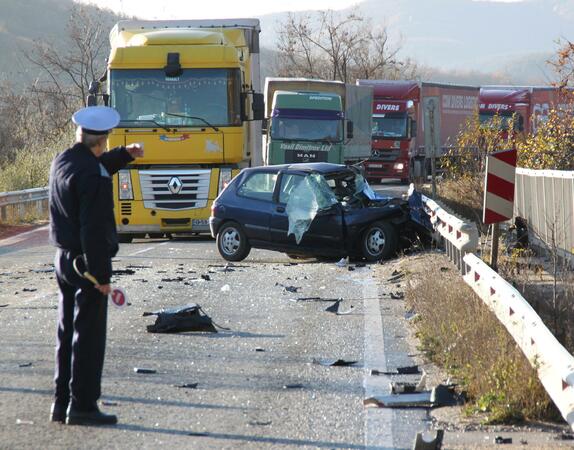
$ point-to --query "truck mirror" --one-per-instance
(106, 98)
(258, 106)
(94, 87)
(413, 128)
(92, 100)
(350, 128)
(264, 125)
(173, 67)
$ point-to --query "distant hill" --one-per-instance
(458, 40)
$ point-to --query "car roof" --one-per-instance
(322, 168)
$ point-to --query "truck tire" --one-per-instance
(125, 238)
(232, 242)
(379, 241)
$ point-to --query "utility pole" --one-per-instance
(431, 110)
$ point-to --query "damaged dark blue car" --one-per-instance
(315, 209)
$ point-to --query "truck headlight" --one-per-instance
(224, 179)
(399, 166)
(125, 185)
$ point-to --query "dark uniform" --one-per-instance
(82, 222)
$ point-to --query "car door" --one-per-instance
(325, 234)
(254, 204)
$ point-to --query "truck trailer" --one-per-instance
(413, 120)
(189, 90)
(316, 121)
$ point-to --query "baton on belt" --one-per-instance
(117, 296)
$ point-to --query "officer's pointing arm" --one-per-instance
(91, 192)
(115, 159)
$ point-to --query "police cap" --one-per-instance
(96, 119)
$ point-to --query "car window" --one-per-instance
(288, 183)
(259, 186)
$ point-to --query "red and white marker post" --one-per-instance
(498, 194)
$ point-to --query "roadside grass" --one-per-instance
(28, 168)
(458, 332)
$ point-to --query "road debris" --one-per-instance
(185, 318)
(293, 386)
(292, 289)
(24, 422)
(259, 349)
(334, 362)
(187, 385)
(29, 289)
(425, 440)
(28, 364)
(225, 288)
(343, 262)
(109, 403)
(197, 433)
(397, 295)
(260, 423)
(172, 280)
(406, 370)
(441, 395)
(144, 370)
(501, 440)
(123, 272)
(205, 277)
(395, 277)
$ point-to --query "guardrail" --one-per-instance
(18, 206)
(553, 363)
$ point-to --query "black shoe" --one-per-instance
(58, 412)
(93, 417)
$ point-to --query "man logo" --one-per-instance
(175, 185)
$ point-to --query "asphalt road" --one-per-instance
(258, 383)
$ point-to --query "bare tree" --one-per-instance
(330, 46)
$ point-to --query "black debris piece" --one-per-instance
(160, 287)
(205, 277)
(133, 266)
(334, 308)
(443, 395)
(444, 269)
(565, 436)
(402, 387)
(28, 364)
(259, 349)
(161, 271)
(292, 289)
(396, 277)
(187, 385)
(360, 265)
(406, 370)
(108, 403)
(191, 271)
(334, 362)
(144, 370)
(316, 299)
(4, 306)
(291, 264)
(185, 318)
(171, 280)
(29, 290)
(397, 295)
(260, 423)
(293, 386)
(432, 442)
(123, 272)
(501, 440)
(49, 270)
(350, 268)
(197, 433)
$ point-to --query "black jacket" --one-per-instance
(82, 205)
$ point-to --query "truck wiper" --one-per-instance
(192, 117)
(147, 120)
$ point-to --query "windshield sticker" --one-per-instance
(183, 137)
(305, 147)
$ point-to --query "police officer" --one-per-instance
(82, 226)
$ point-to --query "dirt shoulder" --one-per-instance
(450, 328)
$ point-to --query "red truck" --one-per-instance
(399, 149)
(531, 104)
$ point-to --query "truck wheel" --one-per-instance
(379, 241)
(232, 243)
(125, 238)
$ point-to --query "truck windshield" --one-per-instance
(147, 95)
(502, 122)
(391, 126)
(306, 129)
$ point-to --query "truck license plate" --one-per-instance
(199, 223)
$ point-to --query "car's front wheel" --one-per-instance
(379, 241)
(232, 242)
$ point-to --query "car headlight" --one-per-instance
(399, 166)
(224, 179)
(125, 185)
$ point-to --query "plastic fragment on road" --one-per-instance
(440, 395)
(293, 386)
(225, 288)
(428, 441)
(334, 362)
(343, 262)
(185, 318)
(334, 308)
(144, 370)
(405, 370)
(501, 440)
(309, 197)
(187, 385)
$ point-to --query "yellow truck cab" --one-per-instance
(189, 90)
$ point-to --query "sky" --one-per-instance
(217, 9)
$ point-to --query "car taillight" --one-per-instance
(224, 179)
(125, 185)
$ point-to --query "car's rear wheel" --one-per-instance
(232, 242)
(379, 241)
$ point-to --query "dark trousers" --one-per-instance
(81, 340)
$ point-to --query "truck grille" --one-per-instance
(175, 189)
(385, 155)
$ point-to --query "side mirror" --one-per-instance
(258, 106)
(264, 125)
(350, 128)
(94, 87)
(106, 98)
(413, 128)
(92, 100)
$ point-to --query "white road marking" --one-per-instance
(378, 421)
(139, 252)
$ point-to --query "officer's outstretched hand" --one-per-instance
(105, 289)
(135, 150)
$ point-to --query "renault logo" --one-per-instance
(175, 185)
